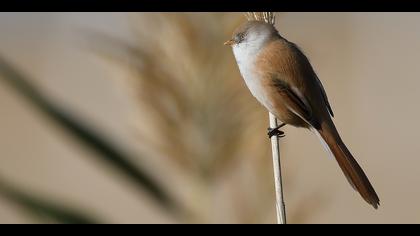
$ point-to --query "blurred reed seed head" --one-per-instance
(268, 17)
(197, 110)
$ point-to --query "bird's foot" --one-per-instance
(276, 132)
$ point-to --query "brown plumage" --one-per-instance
(280, 76)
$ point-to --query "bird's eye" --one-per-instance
(239, 37)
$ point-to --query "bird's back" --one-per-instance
(283, 60)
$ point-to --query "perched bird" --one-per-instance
(281, 78)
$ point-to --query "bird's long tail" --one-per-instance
(351, 169)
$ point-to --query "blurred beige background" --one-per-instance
(368, 63)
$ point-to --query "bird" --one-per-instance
(281, 78)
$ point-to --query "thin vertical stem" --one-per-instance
(280, 205)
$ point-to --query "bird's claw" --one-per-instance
(275, 132)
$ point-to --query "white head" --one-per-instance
(250, 37)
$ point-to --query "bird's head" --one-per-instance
(252, 33)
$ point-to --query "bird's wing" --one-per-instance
(294, 100)
(292, 75)
(306, 67)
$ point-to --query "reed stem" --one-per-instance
(275, 147)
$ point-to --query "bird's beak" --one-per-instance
(230, 42)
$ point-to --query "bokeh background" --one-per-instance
(164, 89)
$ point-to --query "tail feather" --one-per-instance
(351, 169)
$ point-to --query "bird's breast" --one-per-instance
(253, 80)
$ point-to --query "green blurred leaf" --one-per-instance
(107, 151)
(43, 208)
